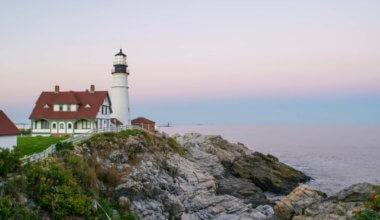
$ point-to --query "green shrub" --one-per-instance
(5, 207)
(64, 146)
(9, 161)
(175, 146)
(56, 190)
(84, 174)
(367, 214)
(14, 211)
(371, 210)
(26, 131)
(110, 205)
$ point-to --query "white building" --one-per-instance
(8, 132)
(73, 113)
(70, 112)
(120, 95)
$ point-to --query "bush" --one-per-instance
(367, 214)
(371, 210)
(14, 211)
(175, 146)
(82, 172)
(55, 190)
(64, 146)
(26, 131)
(110, 205)
(9, 161)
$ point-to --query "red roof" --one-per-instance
(143, 120)
(93, 99)
(116, 122)
(6, 125)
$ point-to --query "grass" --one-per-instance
(109, 136)
(30, 145)
(176, 147)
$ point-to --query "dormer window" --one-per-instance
(87, 106)
(46, 106)
(60, 108)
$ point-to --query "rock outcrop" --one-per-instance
(268, 173)
(306, 203)
(297, 201)
(204, 177)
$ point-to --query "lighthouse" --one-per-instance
(120, 95)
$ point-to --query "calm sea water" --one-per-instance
(334, 156)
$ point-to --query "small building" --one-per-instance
(8, 132)
(144, 123)
(70, 112)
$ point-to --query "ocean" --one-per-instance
(334, 156)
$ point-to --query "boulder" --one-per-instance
(268, 173)
(295, 203)
(242, 188)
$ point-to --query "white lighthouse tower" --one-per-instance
(120, 95)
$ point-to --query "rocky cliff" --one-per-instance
(138, 175)
(191, 176)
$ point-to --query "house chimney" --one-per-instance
(92, 88)
(56, 89)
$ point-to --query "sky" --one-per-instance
(211, 62)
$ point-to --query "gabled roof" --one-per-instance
(94, 99)
(143, 120)
(7, 127)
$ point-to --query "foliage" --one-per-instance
(60, 146)
(109, 136)
(110, 205)
(110, 176)
(9, 161)
(31, 145)
(26, 131)
(367, 214)
(83, 172)
(56, 190)
(175, 146)
(14, 211)
(371, 212)
(374, 201)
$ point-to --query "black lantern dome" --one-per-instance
(120, 63)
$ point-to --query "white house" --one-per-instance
(70, 112)
(8, 132)
(73, 113)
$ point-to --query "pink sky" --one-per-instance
(198, 50)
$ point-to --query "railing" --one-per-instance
(39, 156)
(76, 139)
